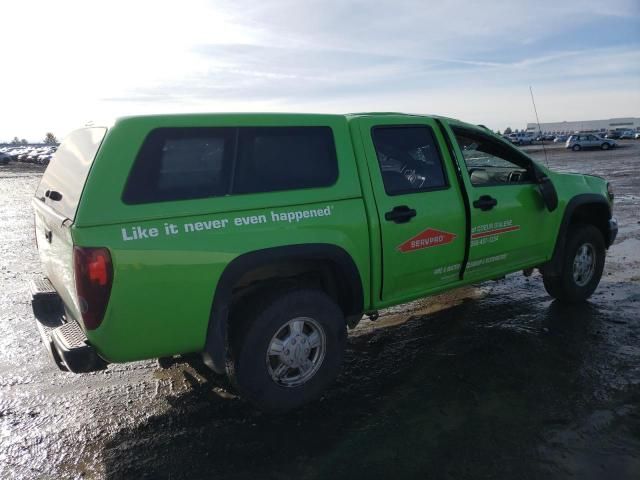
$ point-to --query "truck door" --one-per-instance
(419, 205)
(510, 224)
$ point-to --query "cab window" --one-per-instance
(409, 159)
(490, 161)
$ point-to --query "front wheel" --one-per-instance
(581, 268)
(286, 348)
(605, 146)
(576, 148)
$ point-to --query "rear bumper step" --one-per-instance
(65, 341)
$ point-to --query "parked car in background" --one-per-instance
(627, 135)
(560, 139)
(520, 138)
(38, 154)
(33, 156)
(612, 135)
(637, 135)
(44, 158)
(22, 156)
(4, 158)
(578, 142)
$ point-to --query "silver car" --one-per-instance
(588, 140)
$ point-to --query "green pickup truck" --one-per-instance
(257, 239)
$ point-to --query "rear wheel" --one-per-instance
(605, 146)
(581, 268)
(286, 348)
(576, 148)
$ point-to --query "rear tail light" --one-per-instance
(94, 276)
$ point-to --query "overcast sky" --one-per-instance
(64, 63)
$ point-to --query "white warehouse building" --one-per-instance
(630, 123)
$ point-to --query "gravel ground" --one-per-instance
(491, 381)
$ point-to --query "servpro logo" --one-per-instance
(428, 238)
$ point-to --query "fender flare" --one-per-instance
(553, 266)
(215, 351)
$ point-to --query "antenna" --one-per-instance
(546, 160)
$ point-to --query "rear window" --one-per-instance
(67, 172)
(188, 163)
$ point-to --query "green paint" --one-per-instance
(169, 256)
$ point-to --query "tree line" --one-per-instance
(49, 139)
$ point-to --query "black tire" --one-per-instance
(576, 148)
(605, 146)
(251, 332)
(565, 287)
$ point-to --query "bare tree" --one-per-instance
(15, 141)
(50, 139)
(507, 131)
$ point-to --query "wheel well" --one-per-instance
(325, 275)
(589, 209)
(323, 266)
(596, 214)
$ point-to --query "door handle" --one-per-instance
(53, 195)
(485, 202)
(401, 214)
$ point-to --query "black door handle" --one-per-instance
(485, 202)
(53, 195)
(401, 214)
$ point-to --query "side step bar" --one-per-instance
(63, 338)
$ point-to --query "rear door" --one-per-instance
(419, 205)
(55, 204)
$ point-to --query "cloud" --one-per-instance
(77, 62)
(295, 74)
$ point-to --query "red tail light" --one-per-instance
(94, 276)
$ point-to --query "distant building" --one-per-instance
(630, 123)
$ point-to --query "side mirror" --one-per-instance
(547, 191)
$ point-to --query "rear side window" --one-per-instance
(188, 163)
(409, 159)
(68, 170)
(272, 159)
(181, 163)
